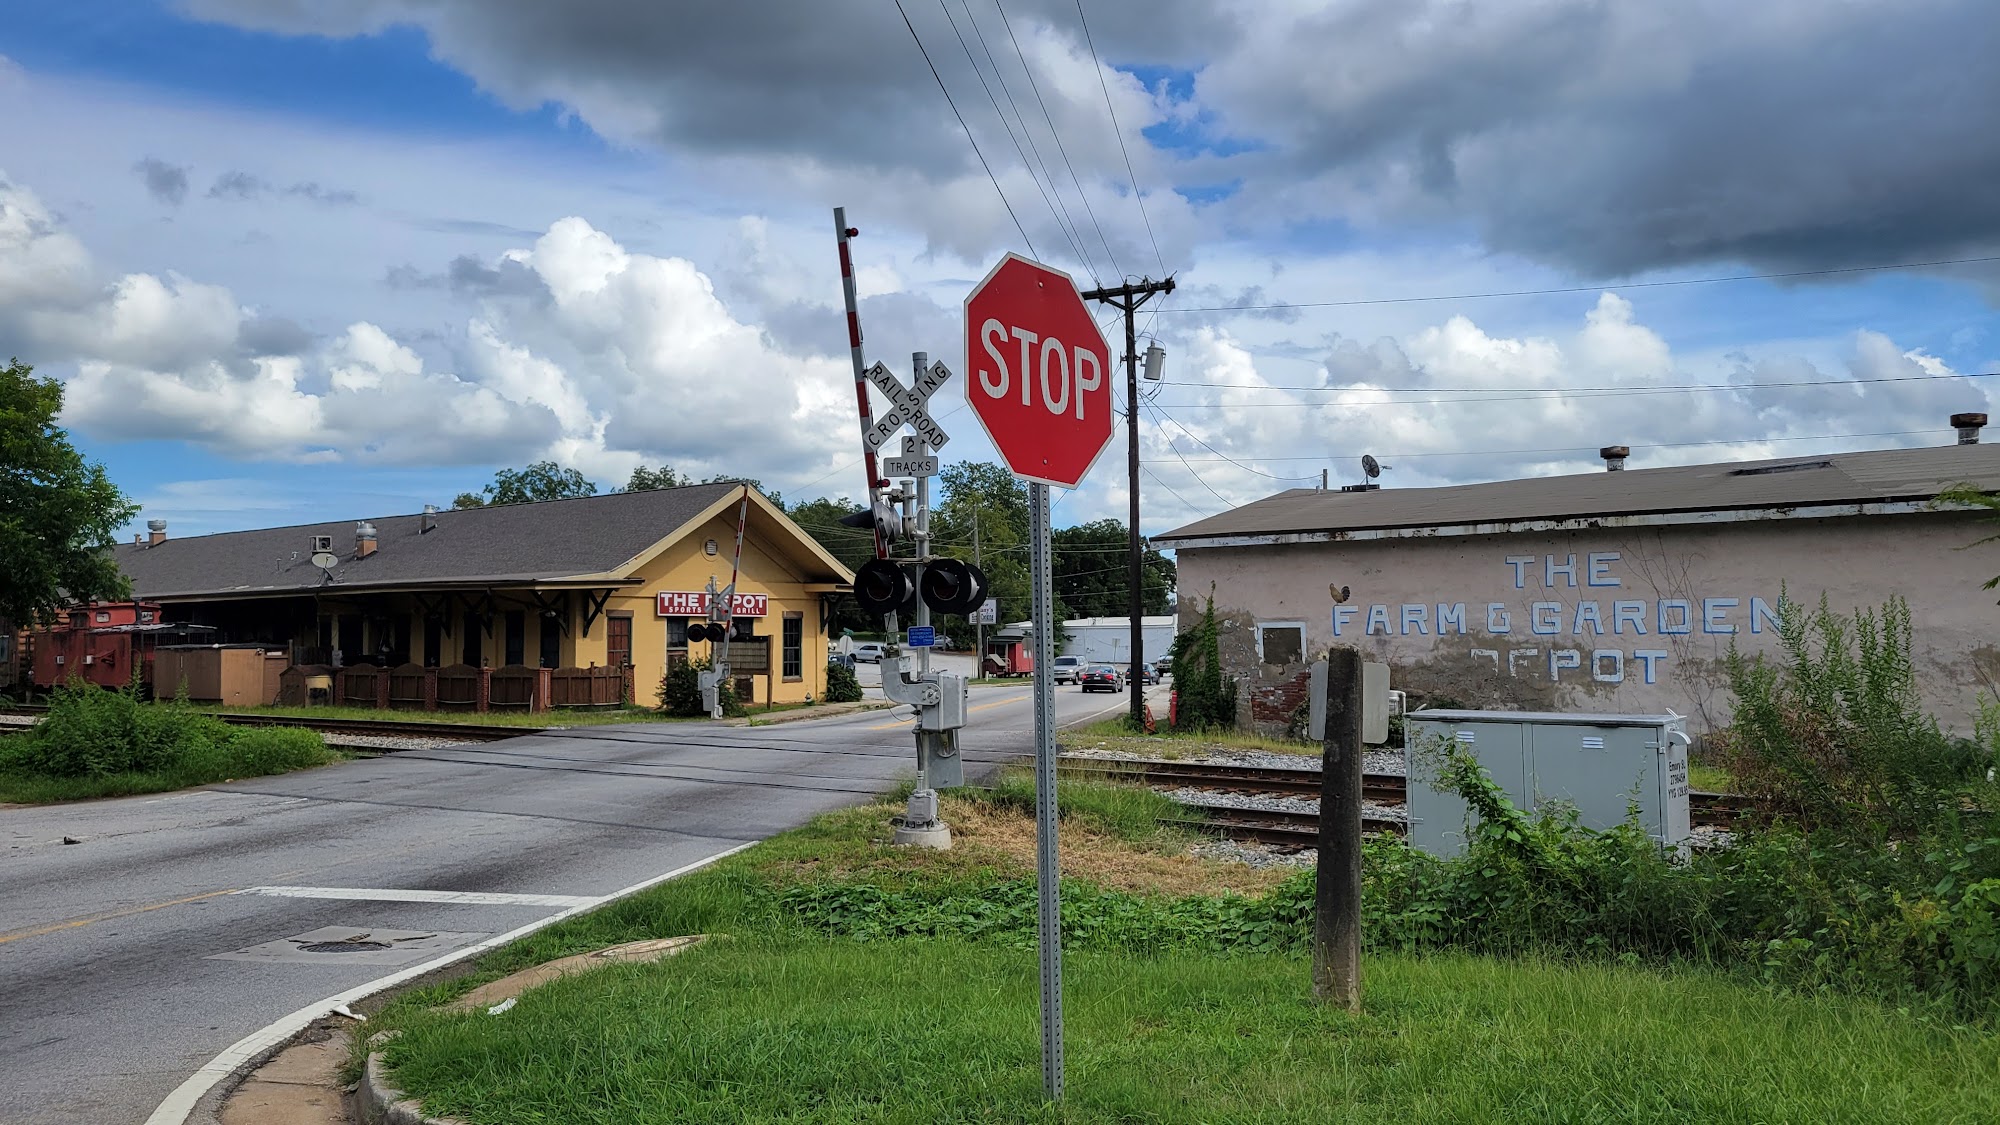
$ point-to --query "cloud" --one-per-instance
(1453, 402)
(580, 350)
(242, 186)
(166, 183)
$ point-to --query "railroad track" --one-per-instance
(1717, 810)
(390, 728)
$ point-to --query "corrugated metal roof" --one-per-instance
(509, 543)
(1789, 482)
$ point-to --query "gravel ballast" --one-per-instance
(1373, 761)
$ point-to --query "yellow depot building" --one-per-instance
(595, 582)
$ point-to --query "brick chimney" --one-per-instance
(1614, 457)
(364, 540)
(1968, 427)
(156, 532)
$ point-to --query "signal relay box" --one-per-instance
(1603, 765)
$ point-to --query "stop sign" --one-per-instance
(1040, 372)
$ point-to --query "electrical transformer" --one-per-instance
(1604, 765)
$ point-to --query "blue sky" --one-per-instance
(303, 264)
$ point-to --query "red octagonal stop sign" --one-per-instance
(1040, 372)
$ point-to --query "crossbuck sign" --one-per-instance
(909, 406)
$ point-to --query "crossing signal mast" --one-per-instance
(721, 613)
(909, 588)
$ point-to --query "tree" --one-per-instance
(1972, 497)
(59, 515)
(543, 480)
(984, 496)
(852, 546)
(646, 480)
(777, 499)
(1093, 575)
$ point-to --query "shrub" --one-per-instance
(92, 733)
(1832, 734)
(842, 685)
(680, 690)
(1205, 699)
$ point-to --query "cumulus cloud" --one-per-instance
(580, 350)
(1453, 402)
(166, 183)
(1605, 138)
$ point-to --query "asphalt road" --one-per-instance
(130, 959)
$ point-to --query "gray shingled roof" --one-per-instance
(1789, 482)
(510, 543)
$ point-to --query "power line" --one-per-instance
(1199, 479)
(968, 129)
(1116, 132)
(1060, 148)
(1219, 453)
(1596, 288)
(1023, 153)
(1603, 390)
(1578, 448)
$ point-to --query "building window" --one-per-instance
(677, 634)
(103, 616)
(795, 643)
(1281, 642)
(742, 628)
(517, 637)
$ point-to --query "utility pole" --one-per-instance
(1336, 945)
(1127, 298)
(978, 618)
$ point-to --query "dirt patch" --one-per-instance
(1002, 841)
(1176, 748)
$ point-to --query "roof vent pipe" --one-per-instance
(429, 519)
(1968, 427)
(156, 532)
(1614, 457)
(364, 540)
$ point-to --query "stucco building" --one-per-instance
(1610, 591)
(600, 581)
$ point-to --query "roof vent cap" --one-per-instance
(1968, 426)
(1614, 457)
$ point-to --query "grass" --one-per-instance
(771, 1027)
(1114, 734)
(774, 1021)
(559, 718)
(250, 754)
(1711, 779)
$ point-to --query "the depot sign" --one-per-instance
(1581, 619)
(694, 603)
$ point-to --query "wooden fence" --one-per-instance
(458, 687)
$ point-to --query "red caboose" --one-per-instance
(103, 642)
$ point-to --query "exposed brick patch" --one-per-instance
(1274, 702)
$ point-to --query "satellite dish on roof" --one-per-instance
(325, 560)
(1370, 466)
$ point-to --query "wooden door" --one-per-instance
(618, 641)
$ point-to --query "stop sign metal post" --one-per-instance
(1039, 386)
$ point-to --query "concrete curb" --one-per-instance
(801, 714)
(381, 1103)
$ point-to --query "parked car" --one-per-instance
(1066, 668)
(1101, 677)
(870, 652)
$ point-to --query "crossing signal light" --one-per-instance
(952, 586)
(882, 587)
(882, 520)
(707, 631)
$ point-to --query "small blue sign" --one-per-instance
(923, 636)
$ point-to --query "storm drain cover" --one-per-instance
(347, 945)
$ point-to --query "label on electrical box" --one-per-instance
(922, 636)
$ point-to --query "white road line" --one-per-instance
(175, 1109)
(386, 894)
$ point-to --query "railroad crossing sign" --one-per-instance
(913, 462)
(907, 406)
(1039, 368)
